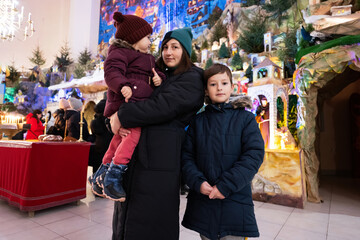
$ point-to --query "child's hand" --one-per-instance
(216, 194)
(206, 188)
(126, 92)
(156, 79)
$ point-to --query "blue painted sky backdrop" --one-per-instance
(170, 14)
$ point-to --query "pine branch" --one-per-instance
(85, 57)
(64, 60)
(37, 58)
(252, 37)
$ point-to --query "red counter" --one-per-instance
(39, 175)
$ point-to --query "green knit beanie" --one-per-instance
(183, 35)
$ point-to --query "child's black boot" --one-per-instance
(112, 183)
(95, 188)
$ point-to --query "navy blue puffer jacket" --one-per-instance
(223, 147)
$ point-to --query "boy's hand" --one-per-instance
(156, 79)
(206, 188)
(216, 194)
(126, 92)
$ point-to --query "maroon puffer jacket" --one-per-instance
(125, 66)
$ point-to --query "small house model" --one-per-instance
(215, 46)
(341, 10)
(267, 42)
(204, 55)
(266, 72)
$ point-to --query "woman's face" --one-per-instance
(172, 53)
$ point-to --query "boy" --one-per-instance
(222, 152)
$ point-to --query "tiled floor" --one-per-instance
(338, 217)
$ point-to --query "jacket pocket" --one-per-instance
(163, 148)
(141, 89)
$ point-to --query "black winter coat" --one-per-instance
(72, 119)
(152, 181)
(59, 124)
(224, 147)
(102, 140)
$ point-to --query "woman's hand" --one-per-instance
(206, 188)
(123, 132)
(156, 79)
(126, 92)
(116, 126)
(115, 123)
(216, 194)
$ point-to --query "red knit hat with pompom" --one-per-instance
(131, 28)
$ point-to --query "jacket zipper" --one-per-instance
(150, 70)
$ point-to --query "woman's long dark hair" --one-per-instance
(35, 112)
(185, 62)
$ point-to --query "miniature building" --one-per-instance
(204, 55)
(223, 40)
(256, 59)
(215, 46)
(278, 41)
(341, 10)
(272, 92)
(267, 42)
(267, 82)
(266, 72)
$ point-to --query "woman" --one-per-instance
(37, 127)
(151, 210)
(72, 118)
(102, 136)
(59, 116)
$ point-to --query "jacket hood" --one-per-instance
(236, 100)
(121, 43)
(29, 116)
(241, 101)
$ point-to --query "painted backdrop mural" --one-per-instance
(163, 15)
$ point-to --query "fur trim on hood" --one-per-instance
(241, 101)
(121, 43)
(236, 100)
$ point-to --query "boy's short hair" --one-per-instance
(217, 68)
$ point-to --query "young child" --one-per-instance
(222, 152)
(130, 75)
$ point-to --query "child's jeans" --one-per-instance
(225, 238)
(121, 149)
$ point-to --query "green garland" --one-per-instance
(347, 40)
